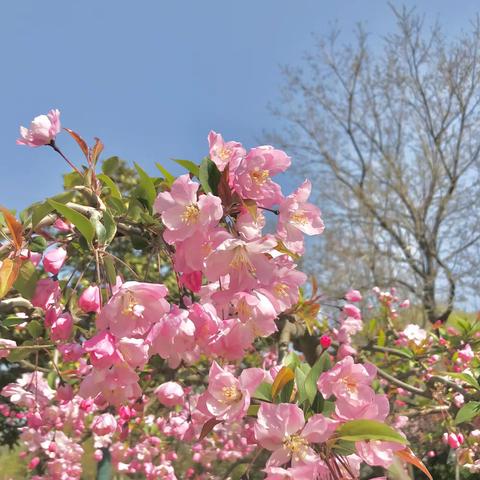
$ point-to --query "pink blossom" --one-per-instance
(224, 153)
(172, 337)
(252, 177)
(104, 424)
(134, 351)
(192, 280)
(61, 328)
(5, 346)
(170, 394)
(182, 214)
(228, 398)
(298, 218)
(53, 260)
(245, 262)
(281, 429)
(102, 349)
(64, 392)
(34, 257)
(42, 131)
(62, 226)
(71, 352)
(378, 453)
(133, 309)
(47, 292)
(466, 354)
(89, 300)
(353, 296)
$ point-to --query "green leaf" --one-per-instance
(114, 191)
(381, 338)
(344, 448)
(51, 379)
(79, 220)
(110, 227)
(300, 378)
(209, 176)
(35, 328)
(12, 320)
(358, 430)
(263, 392)
(169, 178)
(40, 211)
(37, 244)
(109, 165)
(467, 378)
(27, 279)
(110, 270)
(18, 354)
(318, 403)
(291, 360)
(146, 187)
(321, 365)
(193, 168)
(253, 410)
(100, 231)
(469, 411)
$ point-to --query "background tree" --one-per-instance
(392, 138)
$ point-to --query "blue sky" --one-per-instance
(152, 77)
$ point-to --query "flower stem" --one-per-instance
(54, 146)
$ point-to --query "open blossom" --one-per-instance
(224, 153)
(378, 453)
(102, 350)
(54, 259)
(42, 131)
(89, 300)
(252, 177)
(228, 398)
(173, 337)
(133, 309)
(414, 334)
(466, 354)
(297, 217)
(245, 262)
(170, 394)
(182, 214)
(281, 429)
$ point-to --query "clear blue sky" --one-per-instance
(152, 77)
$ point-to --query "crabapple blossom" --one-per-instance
(42, 130)
(89, 300)
(54, 259)
(183, 214)
(170, 394)
(224, 153)
(104, 424)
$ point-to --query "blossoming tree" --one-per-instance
(156, 329)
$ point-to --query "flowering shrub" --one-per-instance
(154, 322)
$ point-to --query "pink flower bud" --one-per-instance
(453, 441)
(54, 259)
(104, 424)
(325, 341)
(431, 454)
(353, 296)
(62, 226)
(89, 300)
(62, 327)
(64, 392)
(98, 455)
(47, 292)
(33, 463)
(42, 131)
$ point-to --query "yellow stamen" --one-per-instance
(190, 214)
(259, 176)
(231, 394)
(240, 260)
(281, 290)
(297, 445)
(299, 218)
(225, 153)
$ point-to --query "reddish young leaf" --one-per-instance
(208, 427)
(97, 149)
(408, 456)
(81, 142)
(15, 228)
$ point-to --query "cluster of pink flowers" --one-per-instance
(234, 281)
